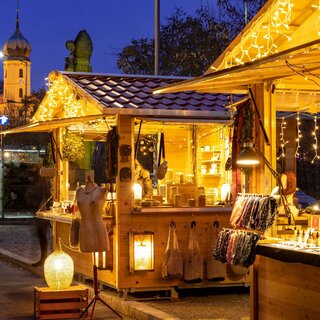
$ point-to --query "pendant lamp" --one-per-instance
(248, 156)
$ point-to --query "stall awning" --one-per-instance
(290, 66)
(47, 126)
(296, 70)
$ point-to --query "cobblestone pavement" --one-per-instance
(21, 242)
(213, 303)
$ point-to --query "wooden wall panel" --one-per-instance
(285, 290)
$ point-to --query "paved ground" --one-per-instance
(19, 243)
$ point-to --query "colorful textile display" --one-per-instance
(253, 211)
(237, 247)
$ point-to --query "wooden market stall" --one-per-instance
(276, 61)
(195, 130)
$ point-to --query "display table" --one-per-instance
(285, 283)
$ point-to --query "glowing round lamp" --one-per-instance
(58, 269)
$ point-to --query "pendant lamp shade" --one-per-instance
(58, 269)
(248, 156)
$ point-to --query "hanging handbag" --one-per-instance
(162, 167)
(193, 265)
(74, 239)
(172, 266)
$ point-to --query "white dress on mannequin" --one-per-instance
(93, 232)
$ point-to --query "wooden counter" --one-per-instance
(156, 220)
(285, 284)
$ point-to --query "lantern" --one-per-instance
(141, 251)
(58, 269)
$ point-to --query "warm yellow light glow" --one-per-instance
(141, 251)
(58, 269)
(137, 191)
(225, 191)
(62, 99)
(247, 157)
(100, 259)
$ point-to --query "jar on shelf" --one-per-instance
(203, 169)
(178, 200)
(212, 196)
(173, 191)
(202, 200)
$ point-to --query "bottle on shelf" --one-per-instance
(317, 239)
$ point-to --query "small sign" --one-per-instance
(4, 120)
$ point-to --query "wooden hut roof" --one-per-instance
(279, 47)
(81, 97)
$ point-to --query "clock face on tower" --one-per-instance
(21, 81)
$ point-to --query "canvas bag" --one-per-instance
(74, 240)
(193, 264)
(162, 167)
(172, 266)
(216, 270)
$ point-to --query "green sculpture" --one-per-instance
(80, 53)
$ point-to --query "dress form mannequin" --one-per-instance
(93, 233)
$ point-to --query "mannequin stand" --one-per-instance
(96, 296)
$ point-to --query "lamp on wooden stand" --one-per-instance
(99, 263)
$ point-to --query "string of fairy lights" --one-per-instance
(283, 141)
(259, 40)
(63, 99)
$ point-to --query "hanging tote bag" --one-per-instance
(162, 167)
(172, 266)
(193, 264)
(216, 270)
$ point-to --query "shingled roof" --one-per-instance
(134, 92)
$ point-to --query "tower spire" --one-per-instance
(17, 18)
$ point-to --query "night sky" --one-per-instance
(111, 24)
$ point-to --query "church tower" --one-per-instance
(16, 67)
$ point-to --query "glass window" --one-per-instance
(20, 73)
(196, 156)
(20, 93)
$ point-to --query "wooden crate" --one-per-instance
(60, 304)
